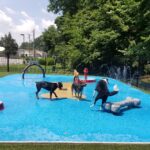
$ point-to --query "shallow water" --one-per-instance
(27, 119)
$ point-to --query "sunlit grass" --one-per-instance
(68, 146)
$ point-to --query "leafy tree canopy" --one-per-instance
(10, 45)
(91, 33)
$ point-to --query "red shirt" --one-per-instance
(85, 70)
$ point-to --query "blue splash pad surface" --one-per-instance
(27, 119)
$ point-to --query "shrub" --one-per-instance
(42, 61)
(50, 61)
(147, 69)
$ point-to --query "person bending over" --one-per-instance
(103, 92)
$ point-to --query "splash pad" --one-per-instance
(63, 94)
(66, 120)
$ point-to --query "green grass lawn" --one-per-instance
(35, 69)
(4, 74)
(68, 146)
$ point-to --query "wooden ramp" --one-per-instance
(66, 93)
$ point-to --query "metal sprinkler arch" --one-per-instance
(30, 65)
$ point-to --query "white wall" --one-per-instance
(3, 61)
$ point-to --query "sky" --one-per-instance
(23, 16)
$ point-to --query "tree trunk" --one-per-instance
(7, 63)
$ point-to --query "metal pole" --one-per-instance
(23, 36)
(33, 43)
(45, 63)
(29, 44)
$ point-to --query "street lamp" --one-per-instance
(23, 36)
(29, 44)
(33, 42)
(45, 61)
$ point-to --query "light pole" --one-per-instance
(45, 61)
(33, 43)
(29, 44)
(23, 36)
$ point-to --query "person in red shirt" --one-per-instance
(85, 73)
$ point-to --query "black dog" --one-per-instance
(51, 87)
(78, 89)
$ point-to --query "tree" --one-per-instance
(39, 43)
(26, 45)
(139, 38)
(49, 37)
(10, 45)
(113, 32)
(64, 6)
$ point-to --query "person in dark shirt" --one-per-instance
(103, 91)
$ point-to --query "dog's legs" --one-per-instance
(50, 95)
(78, 92)
(55, 94)
(80, 95)
(38, 90)
(72, 89)
(75, 94)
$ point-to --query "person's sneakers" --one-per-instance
(92, 105)
(101, 107)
